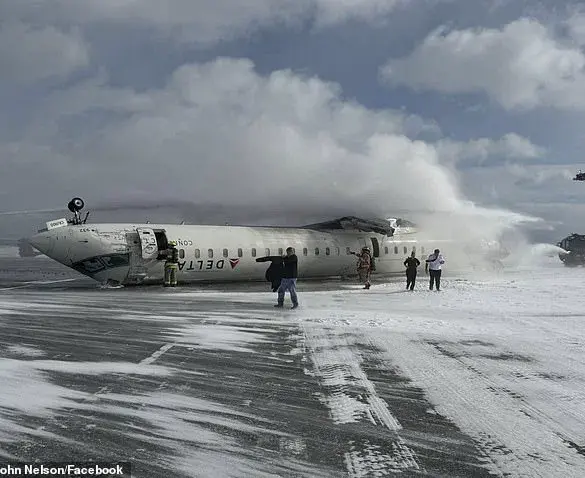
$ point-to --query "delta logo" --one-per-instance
(234, 263)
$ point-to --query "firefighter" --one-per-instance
(364, 265)
(171, 265)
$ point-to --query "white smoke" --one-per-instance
(283, 146)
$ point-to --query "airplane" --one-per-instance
(580, 176)
(133, 254)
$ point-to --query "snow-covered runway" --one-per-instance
(485, 378)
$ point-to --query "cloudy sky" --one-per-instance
(348, 106)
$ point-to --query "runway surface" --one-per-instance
(484, 379)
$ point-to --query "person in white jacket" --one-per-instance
(433, 267)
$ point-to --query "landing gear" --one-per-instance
(76, 205)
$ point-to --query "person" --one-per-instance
(171, 265)
(411, 263)
(433, 267)
(274, 272)
(289, 278)
(364, 265)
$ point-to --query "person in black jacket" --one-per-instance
(411, 263)
(289, 278)
(275, 270)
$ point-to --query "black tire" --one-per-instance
(76, 205)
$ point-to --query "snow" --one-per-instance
(501, 355)
(502, 358)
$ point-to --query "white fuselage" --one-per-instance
(130, 253)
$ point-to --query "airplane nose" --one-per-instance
(43, 242)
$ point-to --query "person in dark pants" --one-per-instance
(411, 263)
(289, 279)
(433, 267)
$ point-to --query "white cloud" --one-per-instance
(518, 185)
(545, 191)
(575, 25)
(479, 151)
(202, 22)
(520, 66)
(331, 12)
(29, 54)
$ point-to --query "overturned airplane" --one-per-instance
(134, 253)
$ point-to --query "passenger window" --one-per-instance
(280, 251)
(240, 252)
(422, 250)
(395, 250)
(385, 249)
(253, 252)
(209, 253)
(327, 251)
(405, 250)
(337, 250)
(305, 251)
(316, 251)
(225, 253)
(348, 250)
(182, 253)
(197, 253)
(267, 251)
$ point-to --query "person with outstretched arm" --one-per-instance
(289, 279)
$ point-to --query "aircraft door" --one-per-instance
(138, 268)
(148, 243)
(375, 247)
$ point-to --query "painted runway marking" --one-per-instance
(28, 284)
(157, 354)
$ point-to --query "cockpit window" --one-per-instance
(117, 260)
(92, 265)
(96, 264)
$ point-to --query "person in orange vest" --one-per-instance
(364, 265)
(171, 265)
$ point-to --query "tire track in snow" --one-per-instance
(351, 398)
(514, 442)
